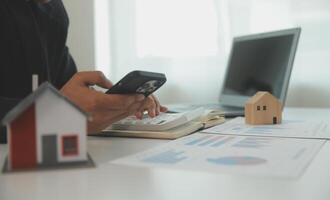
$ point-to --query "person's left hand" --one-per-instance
(152, 106)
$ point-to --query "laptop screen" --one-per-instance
(259, 63)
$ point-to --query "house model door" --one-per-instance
(274, 120)
(49, 150)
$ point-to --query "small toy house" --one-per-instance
(263, 108)
(46, 130)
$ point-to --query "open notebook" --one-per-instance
(166, 125)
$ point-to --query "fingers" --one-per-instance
(134, 108)
(106, 108)
(93, 78)
(163, 109)
(139, 114)
(118, 102)
(104, 119)
(157, 109)
(152, 105)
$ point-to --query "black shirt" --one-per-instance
(32, 41)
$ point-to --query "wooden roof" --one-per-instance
(259, 95)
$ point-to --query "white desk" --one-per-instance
(117, 182)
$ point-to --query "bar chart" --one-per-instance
(210, 141)
(167, 157)
(254, 142)
(237, 160)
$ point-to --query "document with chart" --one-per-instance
(288, 128)
(245, 155)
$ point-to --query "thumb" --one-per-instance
(90, 78)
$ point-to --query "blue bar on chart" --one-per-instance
(222, 142)
(198, 140)
(253, 142)
(268, 130)
(237, 160)
(167, 157)
(237, 128)
(210, 141)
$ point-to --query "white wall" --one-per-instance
(50, 120)
(81, 32)
(309, 85)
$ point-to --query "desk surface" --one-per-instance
(109, 181)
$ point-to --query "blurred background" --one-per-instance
(189, 41)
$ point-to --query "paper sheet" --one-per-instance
(288, 128)
(260, 156)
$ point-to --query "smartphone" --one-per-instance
(139, 82)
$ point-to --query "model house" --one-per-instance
(263, 108)
(45, 130)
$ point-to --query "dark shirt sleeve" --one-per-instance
(33, 41)
(68, 69)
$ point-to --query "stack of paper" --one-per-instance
(288, 128)
(281, 150)
(261, 156)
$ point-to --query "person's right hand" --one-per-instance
(104, 109)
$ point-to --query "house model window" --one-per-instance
(70, 145)
(258, 107)
(265, 107)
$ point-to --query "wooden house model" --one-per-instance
(263, 108)
(46, 130)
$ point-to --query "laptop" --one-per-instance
(258, 62)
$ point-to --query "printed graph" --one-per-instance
(209, 141)
(253, 142)
(243, 129)
(222, 142)
(167, 157)
(250, 155)
(198, 140)
(295, 128)
(237, 160)
(267, 130)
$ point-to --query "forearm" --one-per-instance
(6, 104)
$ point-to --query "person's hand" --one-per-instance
(152, 106)
(104, 109)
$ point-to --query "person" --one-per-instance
(33, 36)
